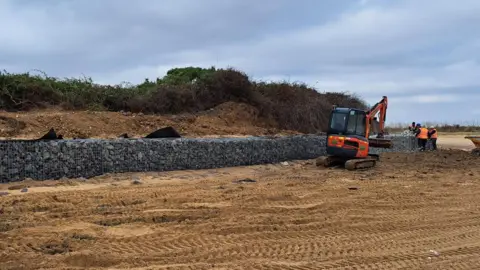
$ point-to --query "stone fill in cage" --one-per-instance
(56, 159)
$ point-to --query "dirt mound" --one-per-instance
(233, 112)
(10, 126)
(243, 117)
(226, 119)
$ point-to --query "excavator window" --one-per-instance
(356, 124)
(338, 122)
(348, 122)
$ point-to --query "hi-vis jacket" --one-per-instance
(422, 133)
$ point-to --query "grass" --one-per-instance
(291, 106)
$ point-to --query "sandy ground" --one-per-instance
(455, 141)
(413, 211)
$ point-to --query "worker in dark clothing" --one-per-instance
(432, 136)
(412, 127)
(416, 131)
(415, 127)
(422, 136)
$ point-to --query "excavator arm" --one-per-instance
(380, 108)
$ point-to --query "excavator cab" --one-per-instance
(346, 133)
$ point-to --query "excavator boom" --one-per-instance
(379, 108)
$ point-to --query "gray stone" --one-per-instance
(41, 160)
(136, 182)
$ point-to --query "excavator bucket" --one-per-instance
(380, 142)
(475, 140)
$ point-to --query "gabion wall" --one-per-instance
(42, 160)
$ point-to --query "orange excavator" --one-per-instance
(348, 136)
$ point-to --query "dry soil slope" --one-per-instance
(226, 119)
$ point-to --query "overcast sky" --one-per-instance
(424, 55)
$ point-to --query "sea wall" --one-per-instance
(42, 160)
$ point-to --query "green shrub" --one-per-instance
(191, 89)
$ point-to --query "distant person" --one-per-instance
(432, 136)
(412, 127)
(422, 136)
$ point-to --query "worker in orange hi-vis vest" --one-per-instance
(432, 136)
(422, 137)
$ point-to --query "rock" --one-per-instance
(93, 157)
(29, 167)
(136, 181)
(16, 187)
(246, 180)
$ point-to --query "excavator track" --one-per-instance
(365, 163)
(321, 161)
(328, 161)
(355, 164)
(352, 164)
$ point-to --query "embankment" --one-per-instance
(40, 160)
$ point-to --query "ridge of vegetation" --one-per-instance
(292, 106)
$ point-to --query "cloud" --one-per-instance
(425, 51)
(421, 99)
